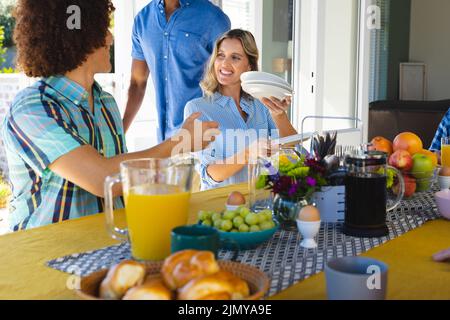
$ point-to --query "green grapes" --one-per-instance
(243, 212)
(217, 223)
(265, 225)
(207, 223)
(243, 228)
(216, 216)
(240, 220)
(229, 215)
(252, 219)
(237, 221)
(226, 225)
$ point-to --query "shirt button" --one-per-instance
(76, 102)
(165, 57)
(187, 3)
(187, 34)
(166, 79)
(166, 34)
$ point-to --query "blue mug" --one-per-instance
(198, 237)
(195, 237)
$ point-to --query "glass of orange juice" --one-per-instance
(445, 152)
(156, 194)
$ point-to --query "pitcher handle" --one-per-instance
(401, 192)
(113, 231)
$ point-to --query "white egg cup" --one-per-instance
(233, 208)
(308, 229)
(444, 182)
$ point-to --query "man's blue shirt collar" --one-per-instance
(183, 3)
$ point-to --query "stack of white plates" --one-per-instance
(265, 85)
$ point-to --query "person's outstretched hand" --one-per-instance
(442, 256)
(197, 133)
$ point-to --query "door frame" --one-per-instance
(307, 73)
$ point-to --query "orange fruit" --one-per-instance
(408, 141)
(431, 155)
(381, 144)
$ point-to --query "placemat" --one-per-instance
(281, 258)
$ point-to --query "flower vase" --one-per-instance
(286, 210)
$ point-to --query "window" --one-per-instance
(379, 56)
(240, 13)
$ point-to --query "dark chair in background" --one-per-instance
(389, 118)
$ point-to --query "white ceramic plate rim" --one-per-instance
(258, 91)
(269, 83)
(262, 76)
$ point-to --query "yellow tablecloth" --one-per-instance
(24, 275)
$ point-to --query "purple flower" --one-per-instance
(293, 189)
(311, 181)
(282, 184)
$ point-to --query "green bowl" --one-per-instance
(246, 240)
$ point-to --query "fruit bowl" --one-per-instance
(417, 182)
(246, 240)
(425, 180)
(240, 229)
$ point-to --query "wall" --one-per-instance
(429, 43)
(399, 29)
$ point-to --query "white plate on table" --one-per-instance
(263, 76)
(260, 91)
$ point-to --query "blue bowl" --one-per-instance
(245, 240)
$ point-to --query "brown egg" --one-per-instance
(309, 213)
(236, 199)
(445, 171)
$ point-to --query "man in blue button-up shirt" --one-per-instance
(172, 41)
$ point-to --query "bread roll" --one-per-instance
(220, 285)
(183, 266)
(152, 289)
(120, 278)
(240, 287)
(217, 296)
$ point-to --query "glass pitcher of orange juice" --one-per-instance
(156, 194)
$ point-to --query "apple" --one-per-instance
(402, 160)
(410, 186)
(423, 185)
(422, 166)
(423, 169)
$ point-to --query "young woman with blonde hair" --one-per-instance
(225, 102)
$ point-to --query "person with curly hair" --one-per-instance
(64, 134)
(172, 42)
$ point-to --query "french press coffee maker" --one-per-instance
(366, 195)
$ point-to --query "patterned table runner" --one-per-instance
(281, 258)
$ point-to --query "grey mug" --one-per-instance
(356, 278)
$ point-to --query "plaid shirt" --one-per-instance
(442, 132)
(46, 121)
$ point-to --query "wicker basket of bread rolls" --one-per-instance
(185, 275)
